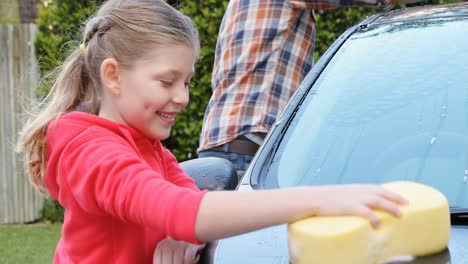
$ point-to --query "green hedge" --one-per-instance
(333, 22)
(59, 24)
(60, 21)
(207, 15)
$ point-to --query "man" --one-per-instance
(265, 49)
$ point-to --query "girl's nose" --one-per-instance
(181, 95)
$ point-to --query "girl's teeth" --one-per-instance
(166, 116)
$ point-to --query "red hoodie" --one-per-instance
(121, 192)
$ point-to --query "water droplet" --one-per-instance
(433, 139)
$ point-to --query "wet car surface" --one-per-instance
(388, 101)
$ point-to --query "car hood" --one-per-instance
(269, 245)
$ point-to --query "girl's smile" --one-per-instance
(169, 118)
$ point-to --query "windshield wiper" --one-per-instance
(459, 215)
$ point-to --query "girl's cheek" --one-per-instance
(146, 105)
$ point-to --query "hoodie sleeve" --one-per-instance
(106, 176)
(175, 173)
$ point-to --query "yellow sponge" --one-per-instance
(423, 229)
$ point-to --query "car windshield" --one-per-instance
(392, 104)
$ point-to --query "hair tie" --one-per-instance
(82, 47)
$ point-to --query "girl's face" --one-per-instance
(155, 89)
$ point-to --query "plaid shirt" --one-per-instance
(264, 50)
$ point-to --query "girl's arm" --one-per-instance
(227, 213)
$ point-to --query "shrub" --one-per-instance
(59, 25)
(60, 21)
(207, 16)
(52, 211)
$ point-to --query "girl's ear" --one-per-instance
(110, 76)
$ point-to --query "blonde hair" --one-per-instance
(125, 30)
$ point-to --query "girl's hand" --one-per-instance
(358, 200)
(170, 251)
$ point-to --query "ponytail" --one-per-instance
(71, 88)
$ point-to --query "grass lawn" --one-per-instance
(33, 243)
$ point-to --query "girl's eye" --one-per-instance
(166, 83)
(188, 85)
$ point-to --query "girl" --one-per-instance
(124, 194)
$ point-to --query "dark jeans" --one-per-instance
(240, 162)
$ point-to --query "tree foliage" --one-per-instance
(207, 16)
(332, 23)
(59, 23)
(61, 20)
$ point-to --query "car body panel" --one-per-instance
(423, 13)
